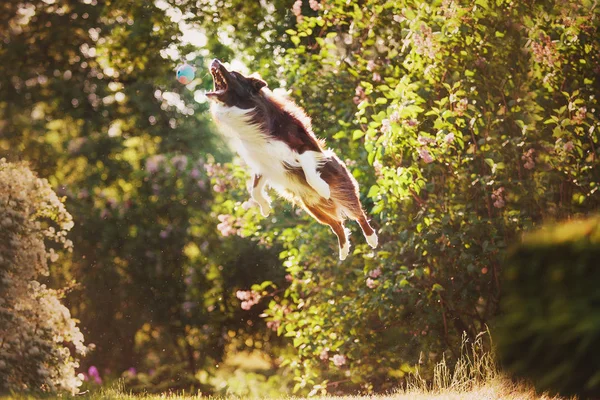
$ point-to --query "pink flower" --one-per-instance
(449, 138)
(424, 154)
(226, 226)
(395, 117)
(528, 158)
(339, 360)
(385, 126)
(315, 5)
(93, 373)
(371, 284)
(324, 356)
(273, 325)
(297, 10)
(179, 162)
(375, 273)
(424, 140)
(498, 197)
(249, 298)
(378, 168)
(243, 294)
(153, 163)
(569, 146)
(461, 106)
(289, 278)
(580, 115)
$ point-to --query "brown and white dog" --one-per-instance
(275, 138)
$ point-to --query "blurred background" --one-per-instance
(465, 123)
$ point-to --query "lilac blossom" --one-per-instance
(339, 360)
(425, 155)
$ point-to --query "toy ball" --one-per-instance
(185, 74)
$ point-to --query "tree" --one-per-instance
(89, 98)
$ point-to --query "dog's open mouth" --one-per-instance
(219, 81)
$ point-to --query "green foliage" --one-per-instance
(466, 124)
(40, 343)
(479, 122)
(549, 327)
(88, 96)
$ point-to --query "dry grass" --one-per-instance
(498, 388)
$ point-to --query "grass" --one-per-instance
(475, 376)
(498, 388)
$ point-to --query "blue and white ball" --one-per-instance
(185, 74)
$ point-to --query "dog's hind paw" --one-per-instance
(344, 251)
(372, 240)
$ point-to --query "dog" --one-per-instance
(274, 137)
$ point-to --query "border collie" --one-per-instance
(275, 138)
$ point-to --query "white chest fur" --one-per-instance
(264, 155)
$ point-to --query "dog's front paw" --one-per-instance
(265, 209)
(322, 188)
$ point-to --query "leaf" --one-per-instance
(357, 134)
(373, 191)
(437, 287)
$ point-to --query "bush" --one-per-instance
(39, 341)
(466, 124)
(549, 330)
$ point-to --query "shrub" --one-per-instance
(39, 341)
(466, 123)
(549, 329)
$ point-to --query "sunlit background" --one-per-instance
(138, 260)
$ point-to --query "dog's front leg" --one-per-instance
(259, 195)
(309, 161)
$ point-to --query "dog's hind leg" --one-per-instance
(309, 161)
(259, 195)
(336, 226)
(368, 231)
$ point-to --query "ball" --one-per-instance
(185, 74)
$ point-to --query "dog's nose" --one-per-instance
(215, 63)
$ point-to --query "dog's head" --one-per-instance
(232, 88)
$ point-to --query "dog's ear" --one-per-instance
(256, 82)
